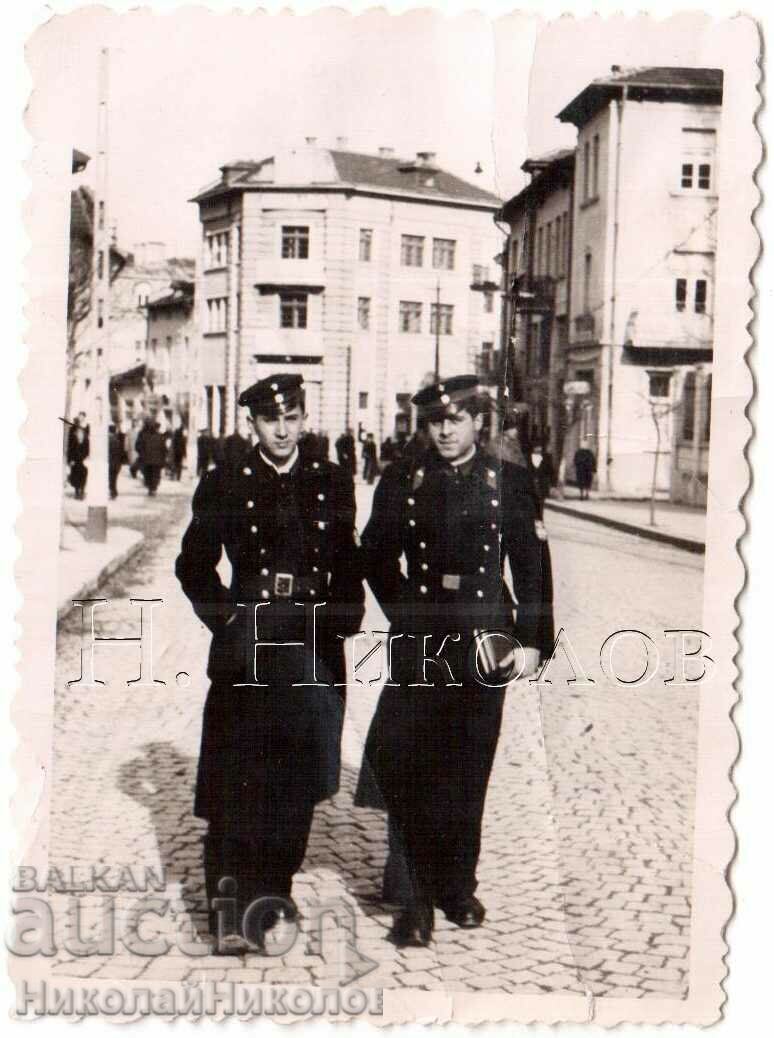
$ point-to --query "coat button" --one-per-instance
(312, 592)
(423, 589)
(411, 500)
(321, 497)
(315, 464)
(247, 471)
(264, 573)
(424, 565)
(422, 545)
(321, 526)
(482, 569)
(494, 526)
(480, 593)
(486, 547)
(495, 502)
(412, 522)
(251, 504)
(315, 569)
(264, 593)
(253, 529)
(263, 551)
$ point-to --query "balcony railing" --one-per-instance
(532, 293)
(585, 328)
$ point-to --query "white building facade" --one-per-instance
(643, 267)
(351, 269)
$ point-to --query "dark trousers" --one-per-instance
(243, 869)
(152, 476)
(113, 471)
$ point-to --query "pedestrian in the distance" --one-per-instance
(585, 467)
(269, 754)
(179, 444)
(370, 463)
(154, 455)
(77, 453)
(116, 458)
(345, 452)
(541, 470)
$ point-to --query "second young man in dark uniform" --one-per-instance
(272, 722)
(456, 514)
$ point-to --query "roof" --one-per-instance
(550, 173)
(181, 293)
(652, 83)
(80, 160)
(351, 169)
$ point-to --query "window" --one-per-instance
(100, 312)
(539, 256)
(515, 256)
(707, 409)
(480, 274)
(488, 302)
(446, 312)
(217, 314)
(364, 312)
(703, 177)
(101, 216)
(700, 296)
(586, 171)
(410, 316)
(587, 283)
(364, 248)
(412, 247)
(595, 166)
(443, 253)
(689, 406)
(659, 383)
(216, 249)
(295, 243)
(293, 309)
(362, 401)
(681, 292)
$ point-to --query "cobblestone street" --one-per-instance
(586, 861)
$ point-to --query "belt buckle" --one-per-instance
(283, 585)
(451, 581)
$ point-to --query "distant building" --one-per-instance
(538, 269)
(350, 269)
(643, 275)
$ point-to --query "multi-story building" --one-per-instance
(355, 270)
(643, 268)
(538, 268)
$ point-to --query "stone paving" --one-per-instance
(586, 862)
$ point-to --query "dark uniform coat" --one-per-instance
(290, 538)
(433, 747)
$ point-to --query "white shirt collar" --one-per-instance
(286, 466)
(466, 457)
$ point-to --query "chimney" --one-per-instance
(425, 158)
(615, 68)
(386, 153)
(311, 142)
(341, 143)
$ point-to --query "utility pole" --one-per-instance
(97, 488)
(438, 330)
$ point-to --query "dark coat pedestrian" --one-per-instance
(77, 453)
(429, 751)
(204, 452)
(345, 452)
(179, 444)
(541, 470)
(585, 467)
(370, 463)
(270, 753)
(154, 455)
(116, 458)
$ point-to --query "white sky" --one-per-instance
(190, 91)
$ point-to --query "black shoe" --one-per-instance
(467, 912)
(412, 927)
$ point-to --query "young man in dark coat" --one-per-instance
(270, 753)
(456, 513)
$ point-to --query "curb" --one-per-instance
(686, 543)
(111, 567)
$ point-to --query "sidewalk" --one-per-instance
(677, 525)
(84, 565)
